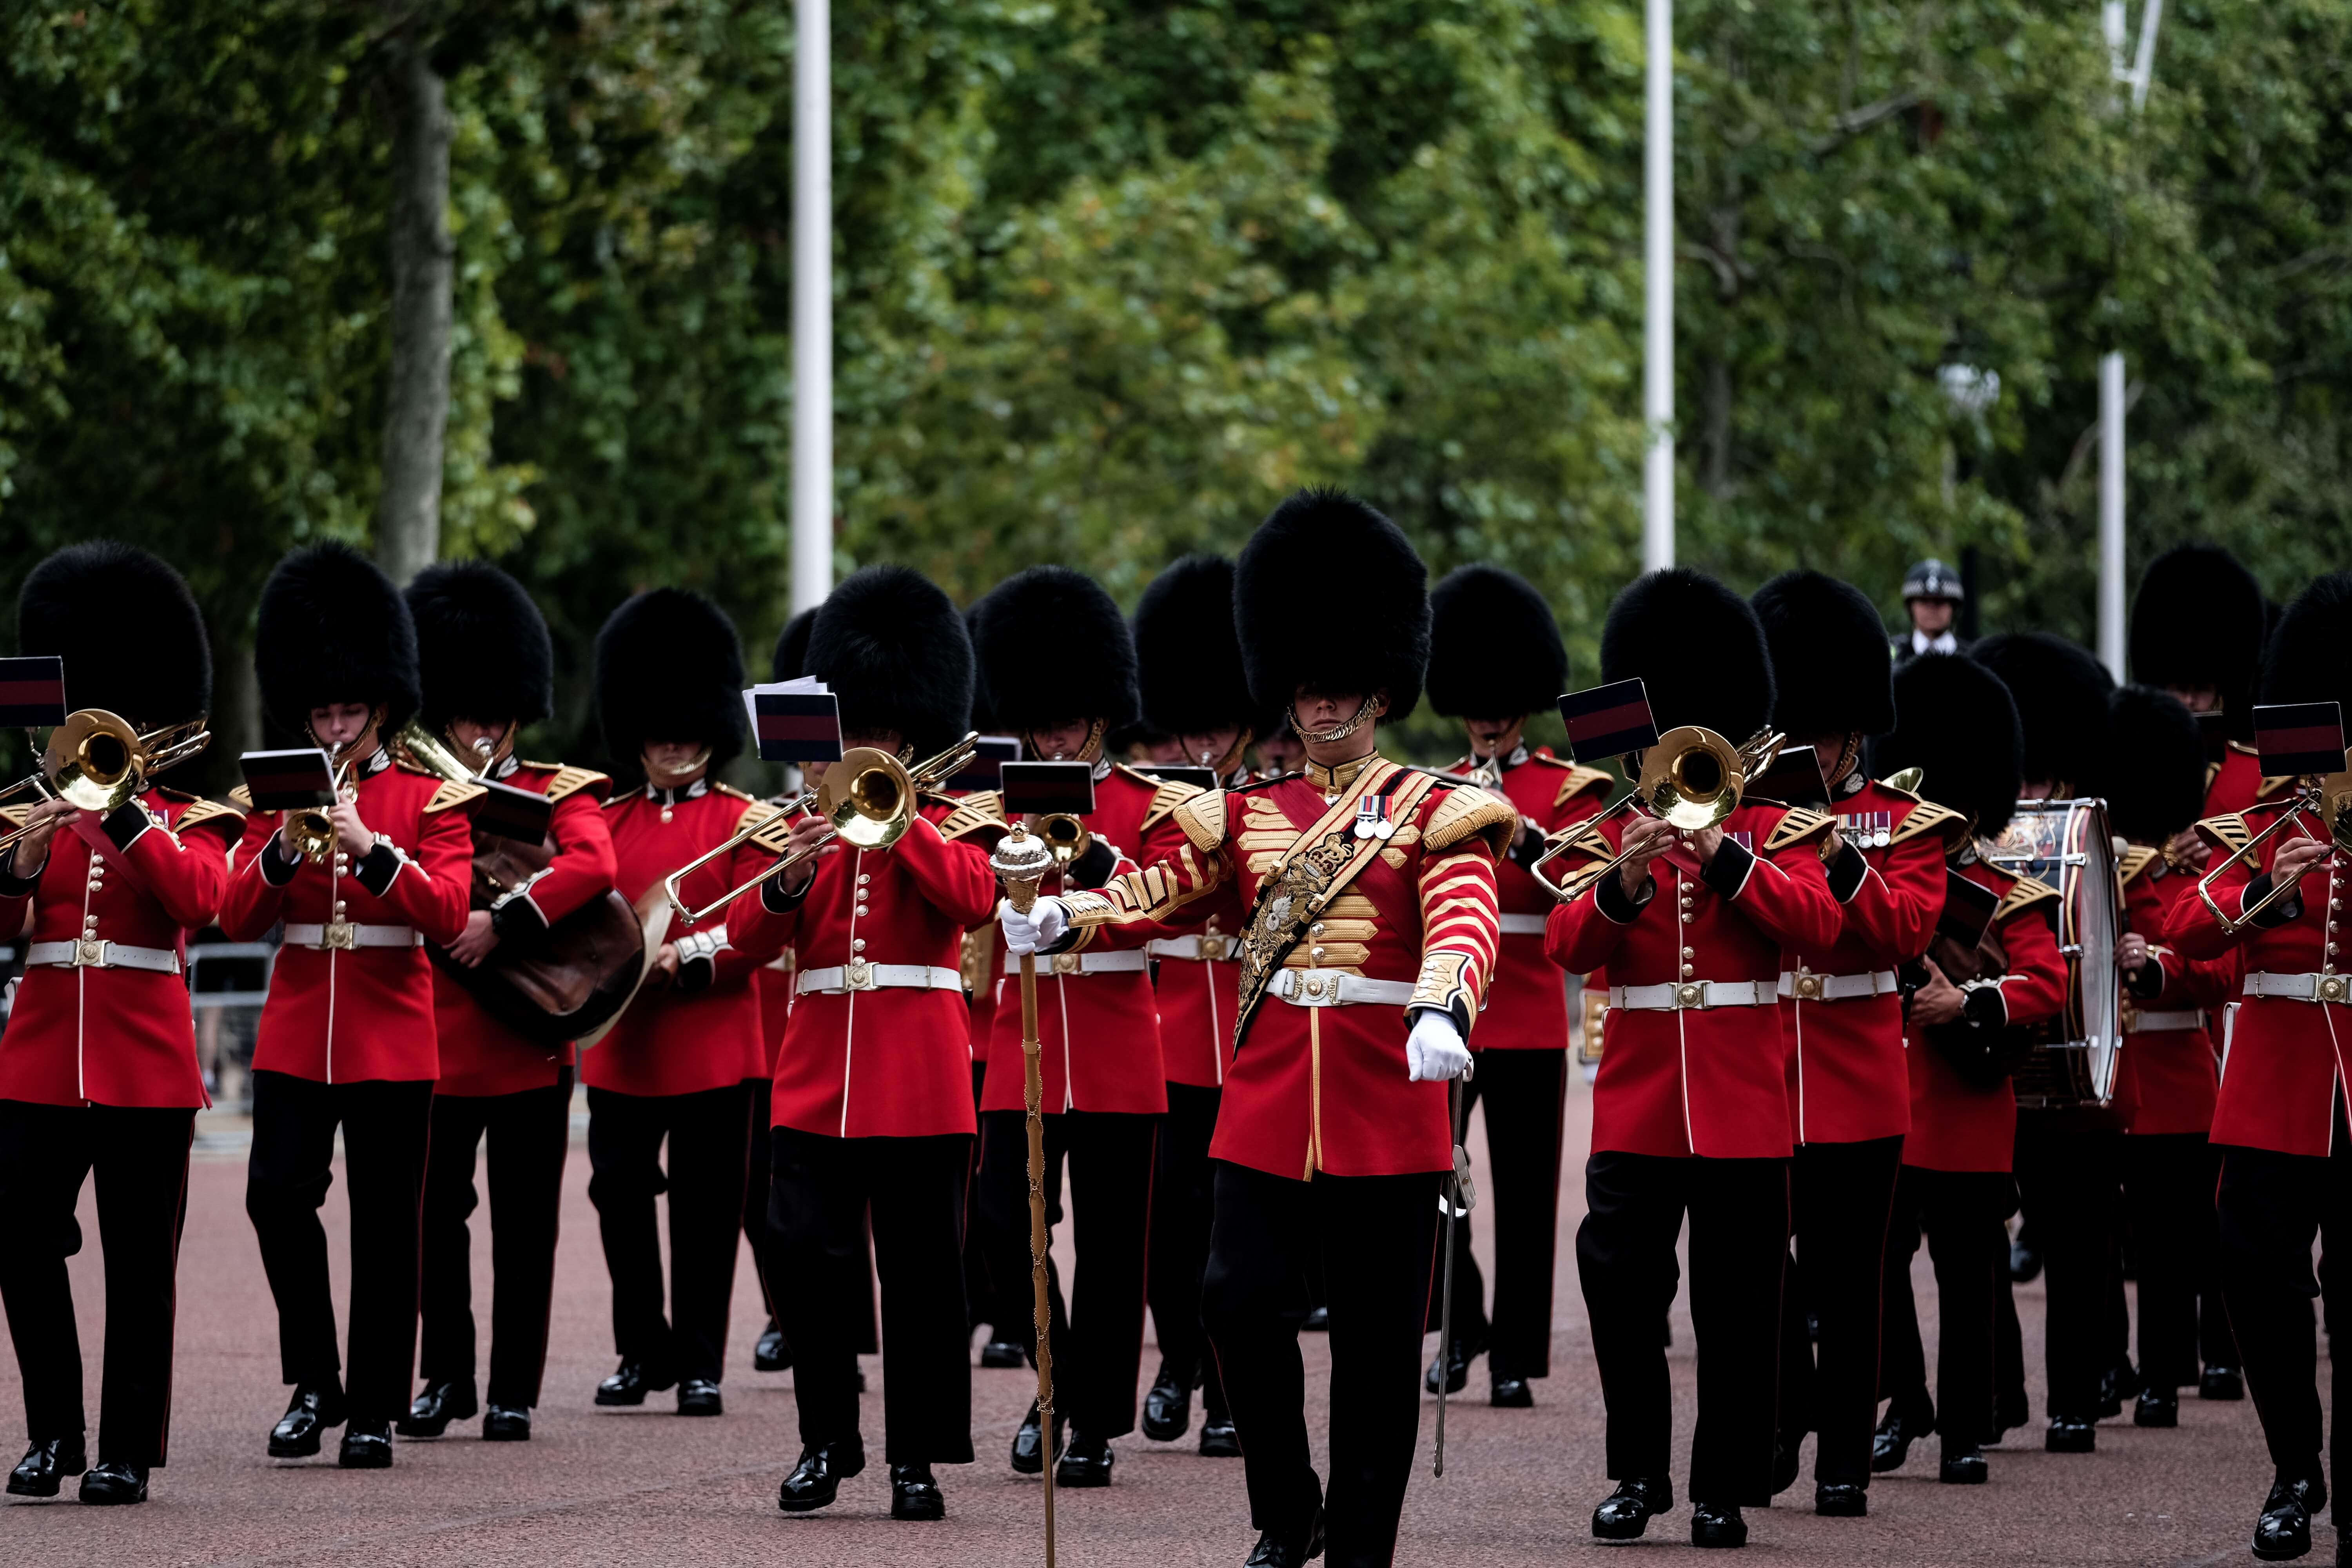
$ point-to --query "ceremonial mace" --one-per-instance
(1023, 862)
(1457, 1197)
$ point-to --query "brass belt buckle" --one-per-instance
(1315, 986)
(1066, 964)
(1212, 949)
(2333, 988)
(857, 975)
(1691, 995)
(90, 952)
(2130, 1016)
(341, 934)
(1808, 986)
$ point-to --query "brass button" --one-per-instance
(1688, 971)
(1690, 952)
(863, 878)
(1316, 954)
(1317, 929)
(857, 944)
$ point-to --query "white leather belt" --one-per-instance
(1337, 988)
(1692, 996)
(2301, 987)
(860, 976)
(1130, 963)
(1804, 985)
(1195, 949)
(95, 953)
(345, 935)
(2138, 1023)
(1524, 925)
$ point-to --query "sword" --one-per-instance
(1457, 1197)
(1023, 862)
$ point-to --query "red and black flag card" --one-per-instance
(1968, 909)
(990, 753)
(2299, 738)
(289, 780)
(509, 813)
(795, 721)
(33, 692)
(1042, 789)
(1606, 721)
(1793, 779)
(1199, 778)
(2213, 729)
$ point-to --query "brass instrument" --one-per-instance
(95, 761)
(428, 753)
(869, 798)
(1067, 839)
(2329, 798)
(1692, 778)
(312, 829)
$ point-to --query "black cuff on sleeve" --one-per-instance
(1846, 873)
(1458, 1010)
(517, 918)
(126, 821)
(778, 900)
(1610, 895)
(696, 974)
(1985, 1008)
(1094, 867)
(2287, 909)
(278, 868)
(1528, 847)
(377, 867)
(12, 886)
(1728, 872)
(2149, 984)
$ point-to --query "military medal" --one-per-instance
(1372, 817)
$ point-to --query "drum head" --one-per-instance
(2065, 844)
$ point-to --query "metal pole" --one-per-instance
(1658, 311)
(2111, 514)
(812, 303)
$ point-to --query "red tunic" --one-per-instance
(2171, 1072)
(2236, 783)
(150, 873)
(1709, 1081)
(1848, 1080)
(338, 1016)
(674, 1040)
(480, 1055)
(1526, 1005)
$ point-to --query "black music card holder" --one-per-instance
(1605, 722)
(289, 780)
(1968, 909)
(2297, 737)
(2213, 732)
(1199, 778)
(1793, 779)
(795, 721)
(990, 753)
(33, 692)
(1046, 789)
(511, 812)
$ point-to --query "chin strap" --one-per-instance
(1373, 709)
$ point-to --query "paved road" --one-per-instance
(608, 1487)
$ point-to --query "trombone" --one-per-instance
(95, 761)
(2329, 798)
(1692, 778)
(869, 798)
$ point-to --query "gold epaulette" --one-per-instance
(2273, 786)
(570, 780)
(1798, 825)
(1166, 796)
(756, 813)
(210, 811)
(731, 791)
(2227, 830)
(1463, 814)
(1585, 839)
(1581, 780)
(2135, 862)
(1201, 815)
(451, 794)
(1945, 823)
(15, 816)
(2212, 772)
(982, 811)
(241, 798)
(2027, 892)
(771, 825)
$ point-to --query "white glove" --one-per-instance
(1434, 1051)
(1042, 927)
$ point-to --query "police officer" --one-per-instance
(1932, 596)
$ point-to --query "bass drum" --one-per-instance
(2065, 844)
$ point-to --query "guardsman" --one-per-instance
(1496, 658)
(1007, 1319)
(1956, 722)
(2198, 626)
(1105, 1087)
(679, 1063)
(2279, 1118)
(1190, 676)
(2155, 784)
(347, 1036)
(98, 1068)
(488, 668)
(1841, 1022)
(1370, 939)
(1690, 1112)
(1932, 595)
(872, 1106)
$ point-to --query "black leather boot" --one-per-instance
(1506, 1389)
(631, 1382)
(297, 1432)
(700, 1396)
(2284, 1529)
(1840, 1499)
(114, 1482)
(1965, 1468)
(1289, 1549)
(2222, 1382)
(1219, 1438)
(507, 1424)
(772, 1353)
(817, 1478)
(2070, 1435)
(2156, 1407)
(432, 1410)
(1717, 1524)
(1085, 1463)
(1029, 1443)
(1903, 1426)
(914, 1494)
(46, 1464)
(1787, 1460)
(1453, 1365)
(1625, 1513)
(1167, 1407)
(1002, 1355)
(366, 1447)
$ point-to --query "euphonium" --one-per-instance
(1693, 778)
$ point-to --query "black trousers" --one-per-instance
(1525, 1094)
(709, 1136)
(2168, 1184)
(1098, 1337)
(2067, 1178)
(1738, 1212)
(1005, 1320)
(1184, 1201)
(528, 1133)
(387, 1127)
(1841, 1196)
(821, 1191)
(1376, 1239)
(2271, 1205)
(139, 1157)
(1961, 1211)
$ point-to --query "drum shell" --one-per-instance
(2066, 845)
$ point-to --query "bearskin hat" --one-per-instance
(161, 676)
(332, 628)
(2156, 779)
(2200, 619)
(790, 660)
(2060, 690)
(894, 651)
(1493, 648)
(670, 666)
(1068, 611)
(1329, 595)
(1188, 658)
(1830, 659)
(1955, 721)
(482, 648)
(983, 715)
(1696, 647)
(2310, 658)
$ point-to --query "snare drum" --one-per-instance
(2065, 844)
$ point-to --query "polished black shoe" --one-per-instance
(1029, 1443)
(2024, 1261)
(1510, 1393)
(1167, 1407)
(1219, 1439)
(2068, 1435)
(507, 1424)
(297, 1434)
(2010, 1412)
(1454, 1366)
(441, 1403)
(631, 1383)
(1715, 1524)
(2284, 1529)
(366, 1448)
(112, 1483)
(1965, 1468)
(915, 1494)
(1318, 1322)
(1624, 1514)
(2222, 1382)
(2117, 1384)
(1085, 1463)
(1891, 1444)
(46, 1466)
(1002, 1355)
(1787, 1460)
(817, 1478)
(772, 1353)
(1840, 1499)
(700, 1396)
(1287, 1549)
(2156, 1407)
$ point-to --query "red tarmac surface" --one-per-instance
(644, 1487)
